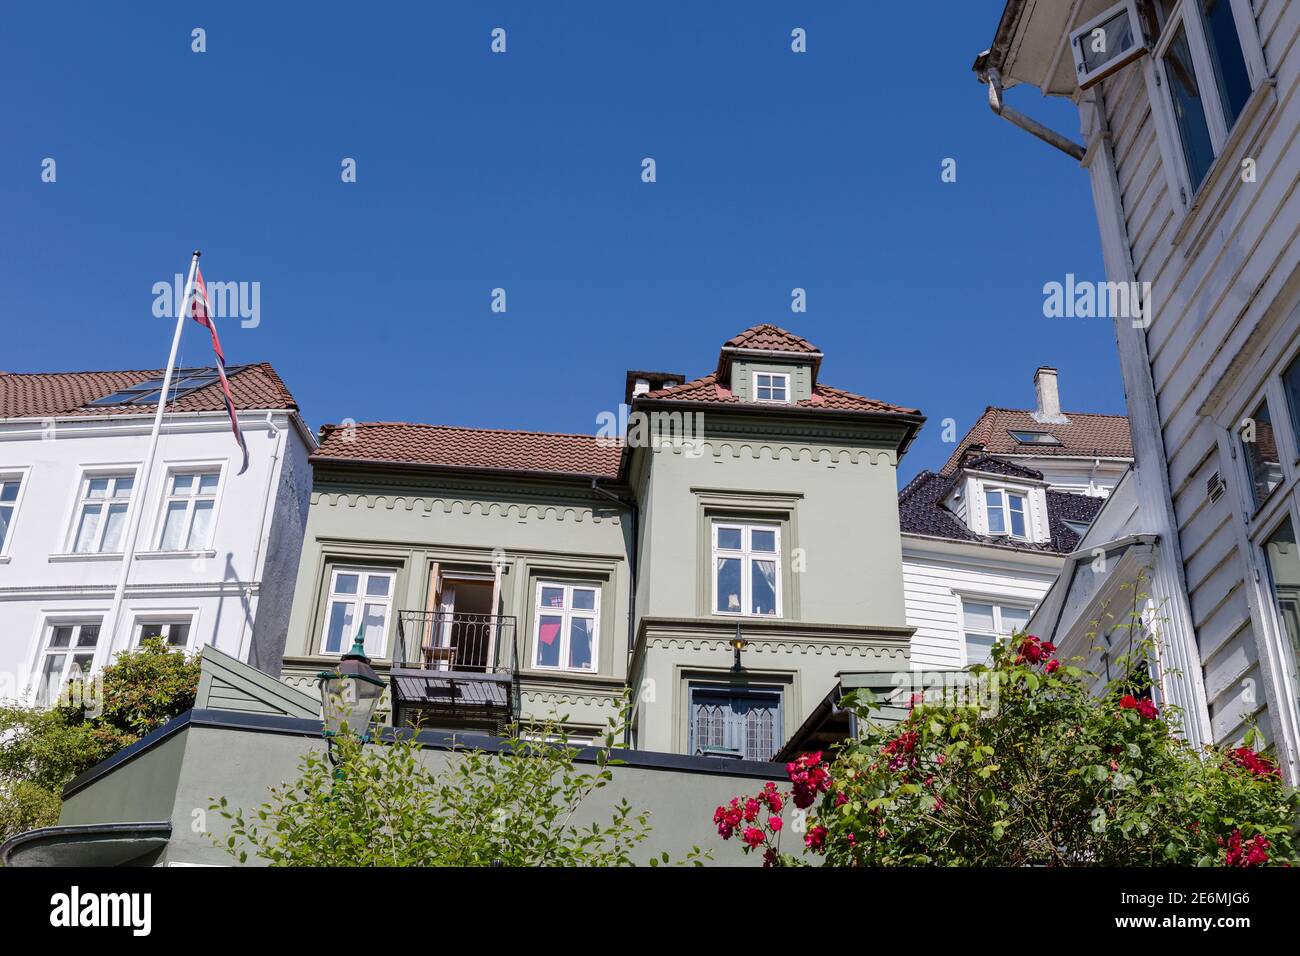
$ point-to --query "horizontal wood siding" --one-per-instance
(1201, 286)
(931, 584)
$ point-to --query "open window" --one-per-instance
(1107, 43)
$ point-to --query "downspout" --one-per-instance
(632, 569)
(993, 79)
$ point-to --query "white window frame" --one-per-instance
(333, 595)
(69, 652)
(747, 556)
(1081, 36)
(83, 500)
(1005, 509)
(176, 471)
(771, 385)
(20, 476)
(166, 619)
(1207, 82)
(566, 614)
(997, 633)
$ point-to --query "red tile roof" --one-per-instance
(482, 449)
(1087, 434)
(708, 389)
(66, 394)
(770, 338)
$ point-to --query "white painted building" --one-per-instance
(985, 537)
(1189, 118)
(217, 552)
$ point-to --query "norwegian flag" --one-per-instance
(201, 312)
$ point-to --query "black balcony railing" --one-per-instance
(455, 671)
(452, 641)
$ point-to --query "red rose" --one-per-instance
(1147, 709)
(774, 824)
(1128, 702)
(1052, 667)
(816, 839)
(753, 836)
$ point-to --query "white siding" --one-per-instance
(933, 580)
(1213, 281)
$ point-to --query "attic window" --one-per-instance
(184, 381)
(1078, 527)
(1107, 43)
(771, 387)
(1034, 438)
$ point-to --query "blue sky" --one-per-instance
(522, 171)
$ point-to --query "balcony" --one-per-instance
(453, 670)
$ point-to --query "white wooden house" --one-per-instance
(1189, 118)
(985, 536)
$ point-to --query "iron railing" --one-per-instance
(456, 642)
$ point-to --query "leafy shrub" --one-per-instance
(1052, 776)
(41, 750)
(383, 806)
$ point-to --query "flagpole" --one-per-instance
(142, 486)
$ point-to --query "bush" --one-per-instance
(42, 750)
(382, 806)
(1051, 776)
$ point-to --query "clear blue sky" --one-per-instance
(522, 171)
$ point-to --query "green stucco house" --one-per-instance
(722, 551)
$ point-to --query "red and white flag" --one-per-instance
(201, 312)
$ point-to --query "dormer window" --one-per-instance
(1006, 512)
(772, 387)
(1034, 438)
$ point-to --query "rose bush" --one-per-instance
(1052, 776)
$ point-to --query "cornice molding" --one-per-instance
(466, 506)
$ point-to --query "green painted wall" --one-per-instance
(208, 762)
(407, 521)
(830, 484)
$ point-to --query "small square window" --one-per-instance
(1106, 44)
(172, 633)
(771, 387)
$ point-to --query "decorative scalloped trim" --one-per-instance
(448, 506)
(793, 452)
(781, 646)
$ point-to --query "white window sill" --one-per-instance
(87, 556)
(164, 555)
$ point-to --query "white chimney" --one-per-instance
(640, 386)
(1049, 397)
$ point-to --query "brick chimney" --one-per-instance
(1048, 410)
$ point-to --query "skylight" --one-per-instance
(1078, 527)
(184, 381)
(1034, 438)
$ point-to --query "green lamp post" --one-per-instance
(349, 694)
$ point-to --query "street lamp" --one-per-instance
(349, 695)
(738, 644)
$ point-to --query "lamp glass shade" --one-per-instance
(349, 695)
